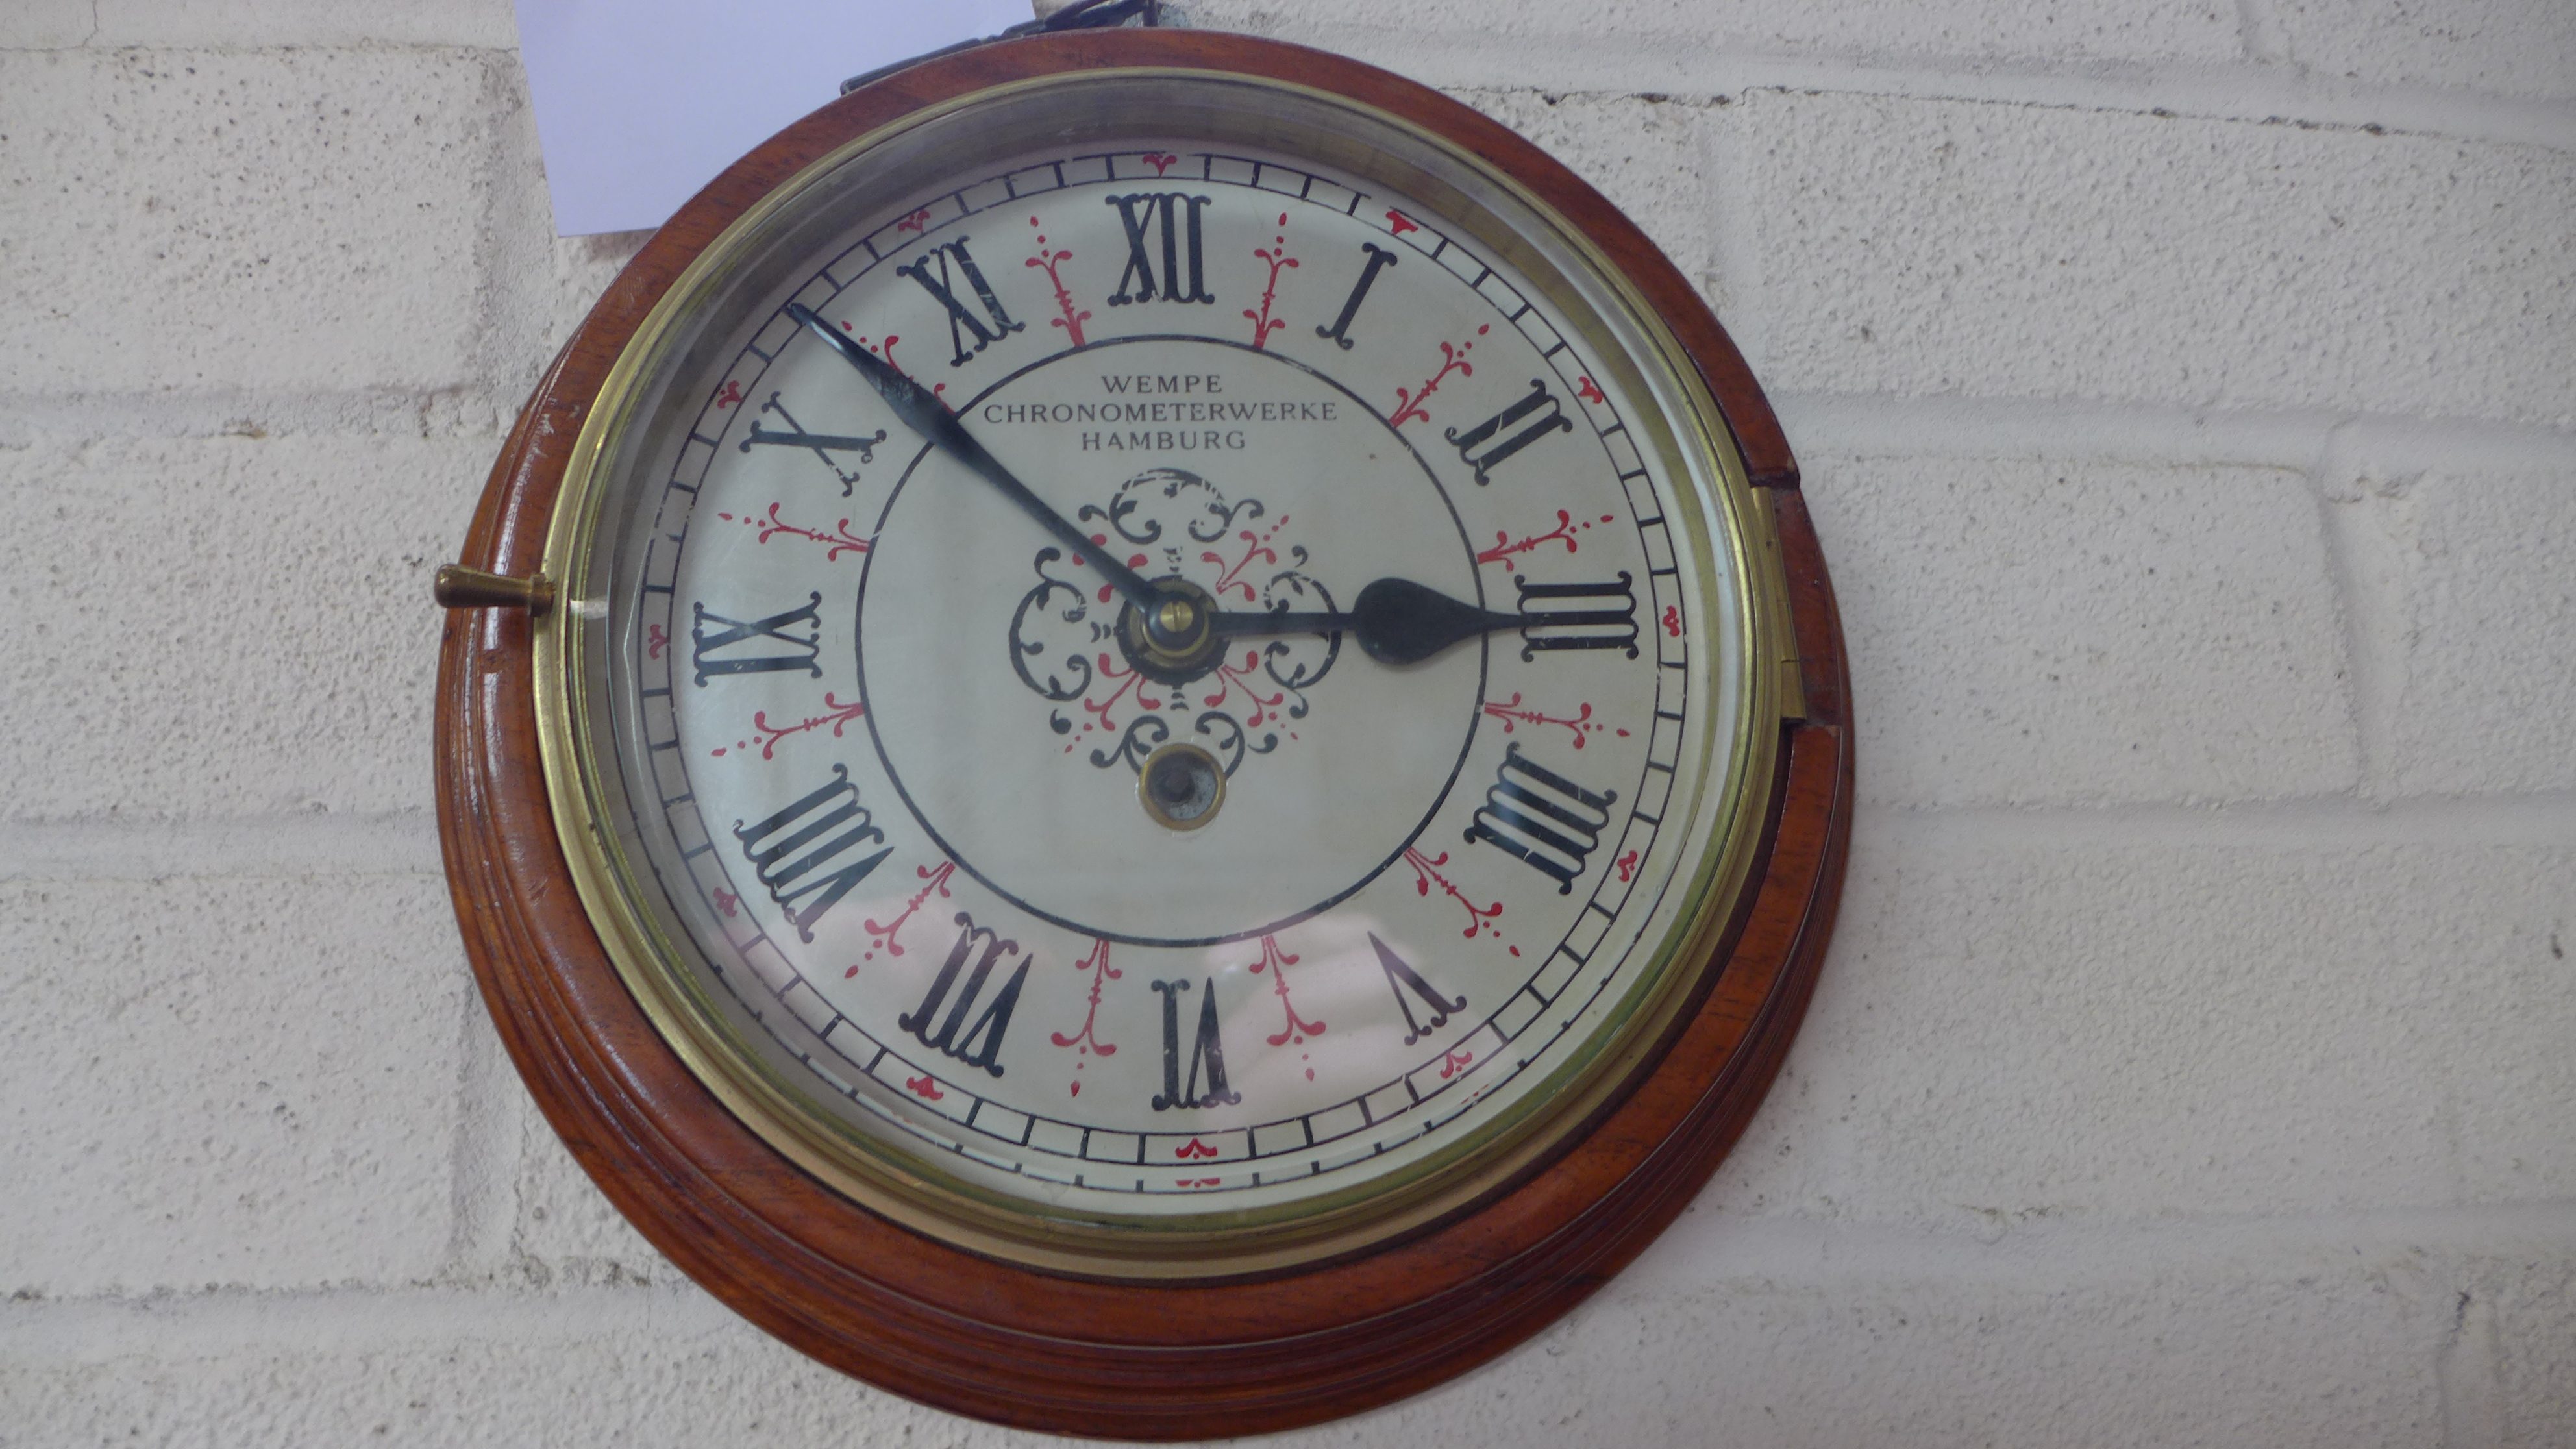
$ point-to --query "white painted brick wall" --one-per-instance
(2099, 1025)
(2509, 47)
(229, 1082)
(1989, 250)
(235, 24)
(2139, 633)
(2478, 562)
(2036, 29)
(277, 659)
(288, 220)
(2187, 393)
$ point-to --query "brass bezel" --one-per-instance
(1226, 1245)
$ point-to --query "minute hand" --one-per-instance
(1397, 621)
(923, 412)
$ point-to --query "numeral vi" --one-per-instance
(1207, 1050)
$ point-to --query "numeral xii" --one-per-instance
(1175, 216)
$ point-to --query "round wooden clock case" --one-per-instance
(1059, 1350)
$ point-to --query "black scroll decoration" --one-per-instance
(1174, 523)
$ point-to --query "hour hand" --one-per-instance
(1396, 621)
(921, 410)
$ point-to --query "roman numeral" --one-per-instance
(1476, 437)
(796, 864)
(1378, 259)
(1401, 978)
(961, 321)
(1542, 818)
(1572, 626)
(982, 1041)
(1146, 211)
(1207, 1050)
(823, 444)
(745, 637)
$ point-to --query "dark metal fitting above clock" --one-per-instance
(1081, 15)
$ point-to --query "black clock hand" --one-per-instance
(923, 412)
(1397, 621)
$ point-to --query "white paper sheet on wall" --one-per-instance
(641, 102)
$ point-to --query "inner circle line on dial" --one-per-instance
(1439, 799)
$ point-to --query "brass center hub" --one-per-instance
(1177, 641)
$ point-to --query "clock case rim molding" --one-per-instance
(1054, 1351)
(576, 662)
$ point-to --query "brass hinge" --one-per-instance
(1778, 638)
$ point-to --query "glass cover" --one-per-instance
(1110, 936)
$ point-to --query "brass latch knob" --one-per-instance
(458, 587)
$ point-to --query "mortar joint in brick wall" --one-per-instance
(452, 412)
(2255, 90)
(2440, 1250)
(2316, 442)
(2543, 819)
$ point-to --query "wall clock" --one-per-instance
(1145, 737)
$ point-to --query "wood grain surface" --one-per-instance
(1009, 1344)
